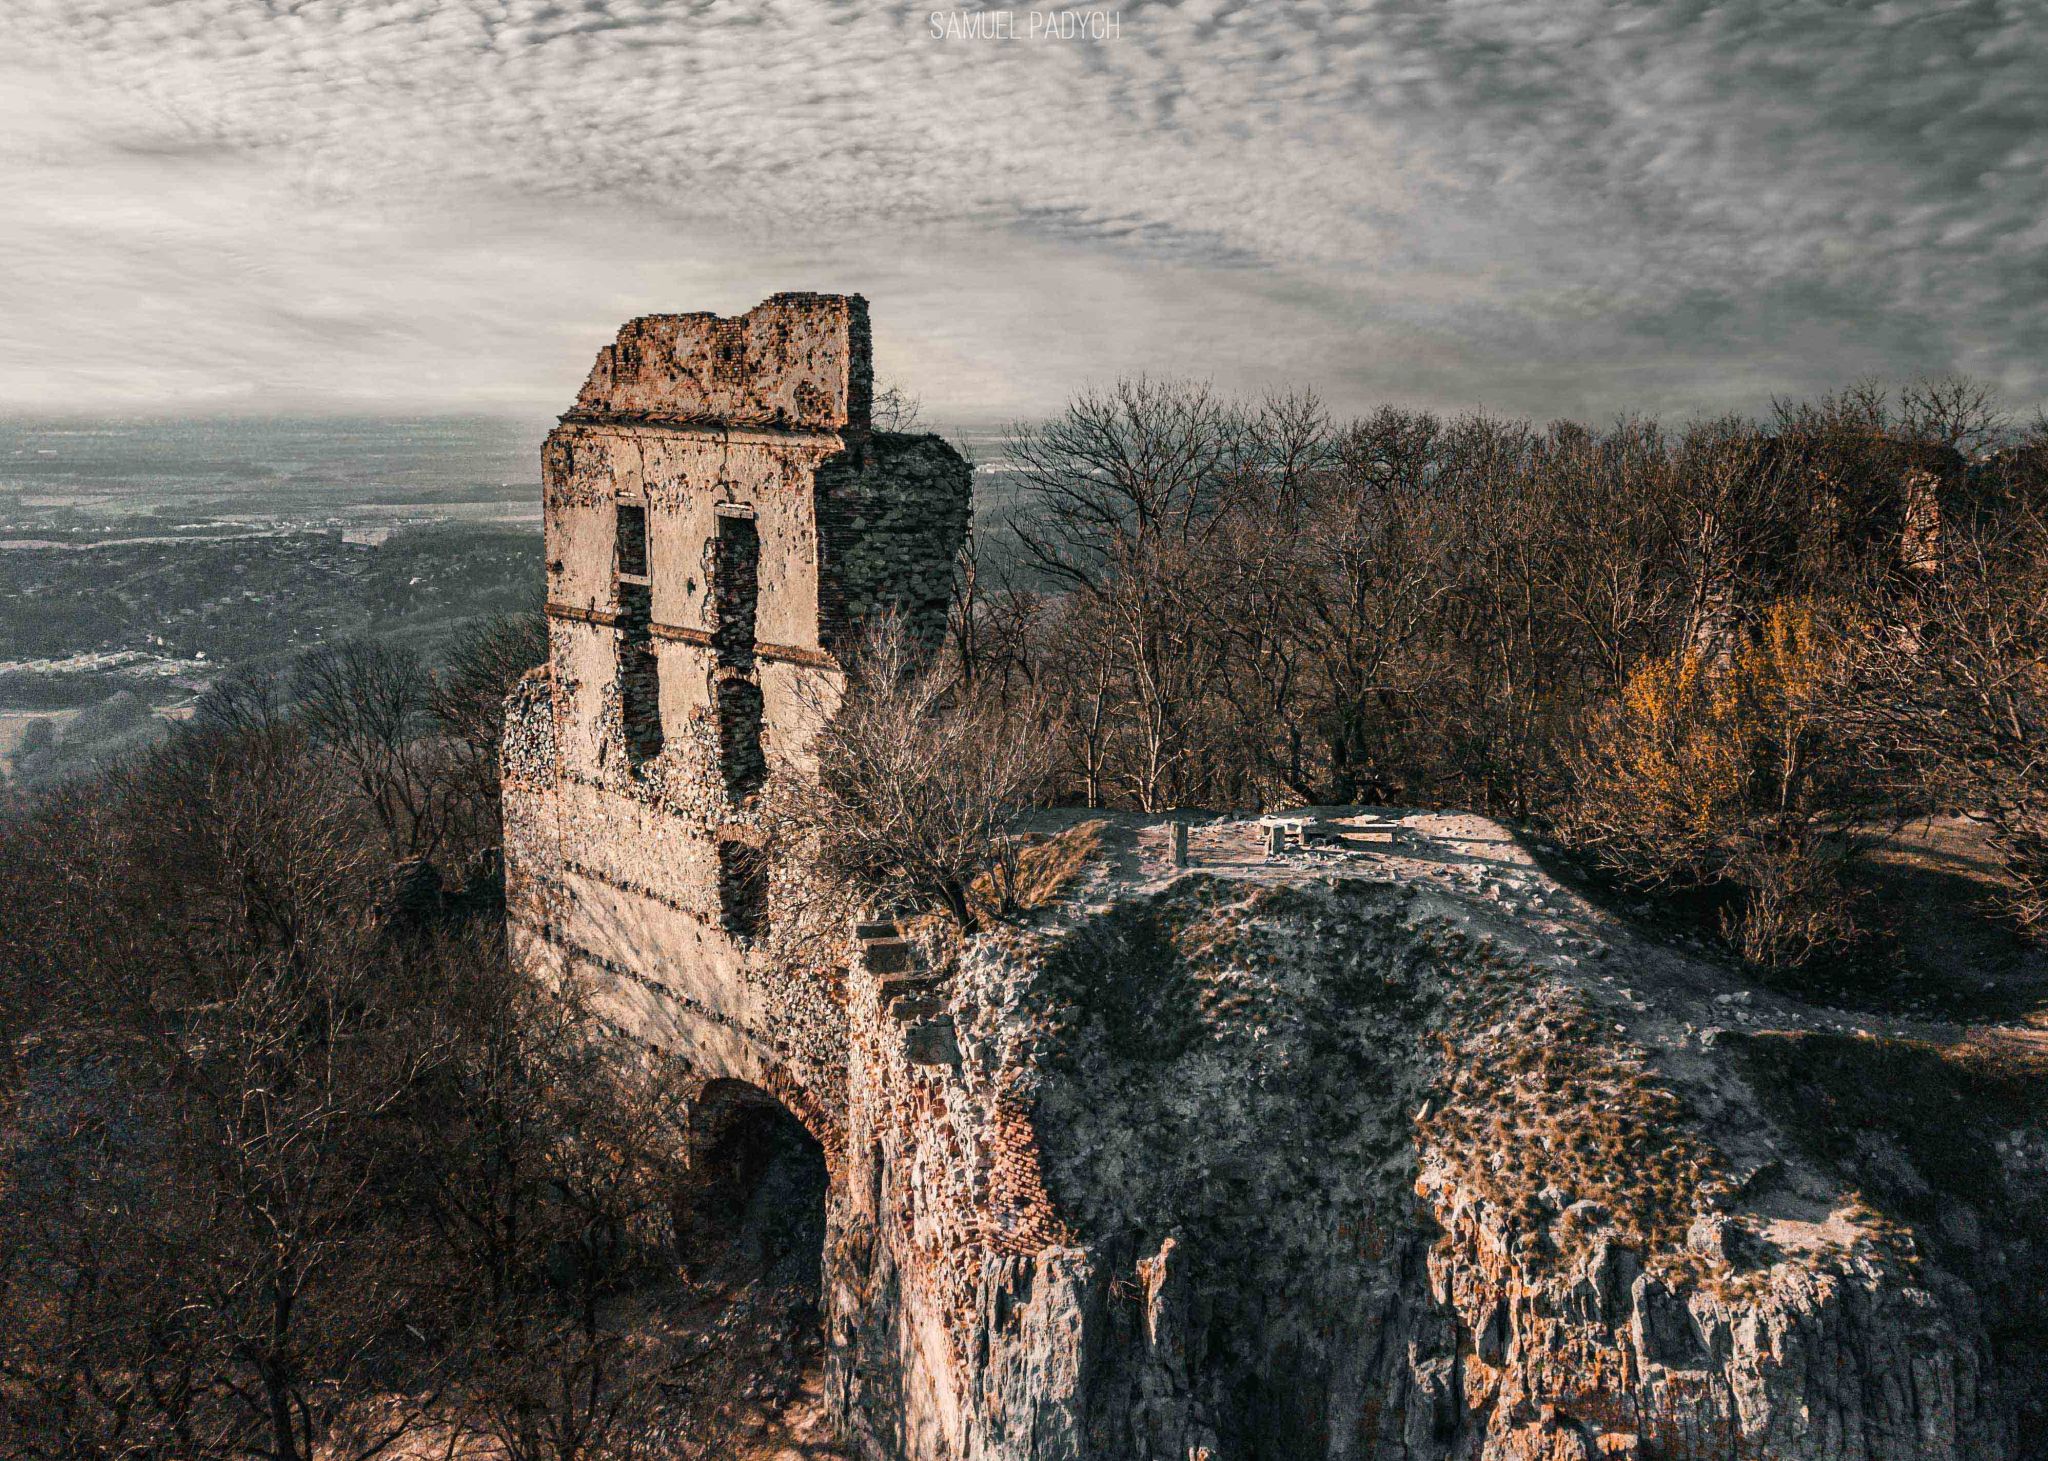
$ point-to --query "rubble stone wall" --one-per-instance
(691, 661)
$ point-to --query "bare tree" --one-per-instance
(371, 706)
(558, 1194)
(213, 1246)
(1953, 411)
(1120, 473)
(467, 700)
(918, 782)
(290, 1172)
(1129, 490)
(1963, 694)
(895, 409)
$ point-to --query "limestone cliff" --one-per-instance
(1403, 1152)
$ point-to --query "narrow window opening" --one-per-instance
(736, 694)
(735, 589)
(632, 541)
(741, 761)
(640, 698)
(742, 889)
(639, 664)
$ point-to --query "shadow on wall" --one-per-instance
(1936, 1137)
(752, 1205)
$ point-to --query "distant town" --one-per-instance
(144, 625)
(141, 561)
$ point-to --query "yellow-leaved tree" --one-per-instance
(1736, 773)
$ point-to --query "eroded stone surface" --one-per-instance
(799, 361)
(1402, 1154)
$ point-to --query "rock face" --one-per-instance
(1388, 1146)
(1338, 1156)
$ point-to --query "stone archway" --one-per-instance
(750, 1238)
(752, 1205)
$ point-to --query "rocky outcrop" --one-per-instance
(1380, 1146)
(1402, 1155)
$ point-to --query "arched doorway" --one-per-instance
(752, 1210)
(750, 1237)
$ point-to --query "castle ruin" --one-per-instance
(1359, 1139)
(721, 522)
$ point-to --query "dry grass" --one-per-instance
(1534, 1093)
(1047, 868)
(1537, 1095)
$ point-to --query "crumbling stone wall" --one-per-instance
(721, 525)
(889, 526)
(801, 362)
(720, 522)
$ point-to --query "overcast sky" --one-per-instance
(1539, 206)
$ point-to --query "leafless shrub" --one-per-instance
(919, 778)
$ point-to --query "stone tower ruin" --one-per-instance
(721, 521)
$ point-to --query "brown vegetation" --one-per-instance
(920, 773)
(1703, 658)
(292, 1163)
(1545, 1111)
(293, 1167)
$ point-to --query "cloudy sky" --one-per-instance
(1539, 206)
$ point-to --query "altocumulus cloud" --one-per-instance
(1551, 206)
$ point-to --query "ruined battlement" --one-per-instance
(795, 362)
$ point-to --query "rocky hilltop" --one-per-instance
(1403, 1149)
(1370, 1141)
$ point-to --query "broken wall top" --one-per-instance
(800, 362)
